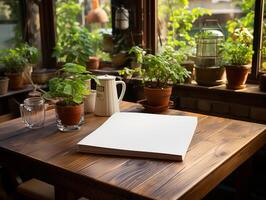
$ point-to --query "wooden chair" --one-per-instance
(35, 189)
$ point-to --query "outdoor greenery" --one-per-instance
(70, 87)
(180, 22)
(76, 47)
(158, 71)
(75, 43)
(16, 60)
(67, 12)
(247, 21)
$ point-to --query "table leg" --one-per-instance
(63, 193)
(243, 175)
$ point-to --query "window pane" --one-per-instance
(81, 25)
(10, 23)
(180, 20)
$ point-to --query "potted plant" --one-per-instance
(69, 89)
(237, 56)
(159, 72)
(31, 54)
(96, 40)
(15, 63)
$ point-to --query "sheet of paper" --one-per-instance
(139, 132)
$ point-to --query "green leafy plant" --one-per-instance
(236, 53)
(138, 52)
(70, 87)
(237, 50)
(158, 71)
(67, 12)
(16, 60)
(247, 6)
(77, 46)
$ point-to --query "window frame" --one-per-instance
(257, 35)
(150, 18)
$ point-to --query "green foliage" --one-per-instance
(180, 22)
(75, 44)
(67, 12)
(16, 60)
(70, 86)
(160, 70)
(29, 52)
(247, 21)
(237, 50)
(128, 72)
(236, 53)
(138, 52)
(76, 47)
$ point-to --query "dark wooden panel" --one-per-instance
(48, 32)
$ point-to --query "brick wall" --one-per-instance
(223, 108)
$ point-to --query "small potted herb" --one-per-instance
(15, 63)
(158, 73)
(69, 89)
(237, 56)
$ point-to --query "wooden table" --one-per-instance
(218, 147)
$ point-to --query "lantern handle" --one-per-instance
(215, 21)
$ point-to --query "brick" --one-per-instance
(204, 105)
(239, 110)
(187, 102)
(258, 113)
(220, 107)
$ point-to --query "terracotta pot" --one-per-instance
(105, 64)
(15, 81)
(189, 65)
(93, 62)
(158, 96)
(236, 76)
(42, 76)
(209, 76)
(69, 114)
(3, 85)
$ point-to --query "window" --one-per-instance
(10, 23)
(181, 20)
(229, 13)
(81, 25)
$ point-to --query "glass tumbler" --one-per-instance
(33, 112)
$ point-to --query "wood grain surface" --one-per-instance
(218, 147)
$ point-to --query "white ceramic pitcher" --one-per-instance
(107, 101)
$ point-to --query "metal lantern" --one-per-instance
(121, 18)
(208, 42)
